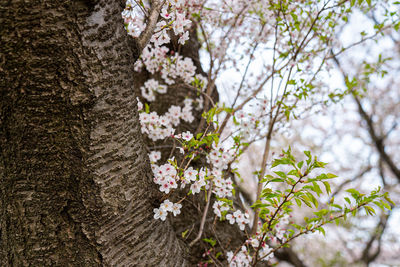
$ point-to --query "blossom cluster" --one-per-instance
(158, 127)
(150, 87)
(220, 207)
(264, 251)
(240, 218)
(134, 17)
(219, 157)
(178, 67)
(197, 177)
(165, 176)
(243, 258)
(165, 207)
(248, 123)
(173, 17)
(155, 58)
(279, 228)
(222, 187)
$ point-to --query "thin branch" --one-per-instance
(145, 36)
(288, 255)
(312, 229)
(274, 216)
(260, 87)
(266, 152)
(203, 218)
(211, 82)
(246, 69)
(260, 183)
(367, 257)
(377, 140)
(359, 175)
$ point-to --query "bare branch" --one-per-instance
(288, 255)
(356, 177)
(145, 36)
(367, 257)
(203, 218)
(378, 141)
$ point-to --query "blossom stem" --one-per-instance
(203, 219)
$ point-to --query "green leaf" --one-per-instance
(369, 210)
(300, 164)
(336, 206)
(210, 241)
(268, 194)
(291, 232)
(321, 213)
(353, 192)
(258, 204)
(282, 161)
(354, 212)
(386, 205)
(327, 187)
(294, 173)
(281, 174)
(318, 164)
(308, 154)
(331, 175)
(388, 199)
(228, 110)
(263, 212)
(298, 227)
(313, 199)
(276, 180)
(235, 120)
(290, 181)
(321, 230)
(317, 189)
(306, 200)
(184, 233)
(322, 176)
(379, 204)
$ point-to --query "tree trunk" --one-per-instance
(76, 185)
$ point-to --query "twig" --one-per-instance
(260, 87)
(377, 140)
(312, 229)
(203, 218)
(145, 36)
(367, 257)
(266, 151)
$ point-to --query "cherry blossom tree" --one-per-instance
(125, 127)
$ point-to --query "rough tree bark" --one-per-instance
(76, 187)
